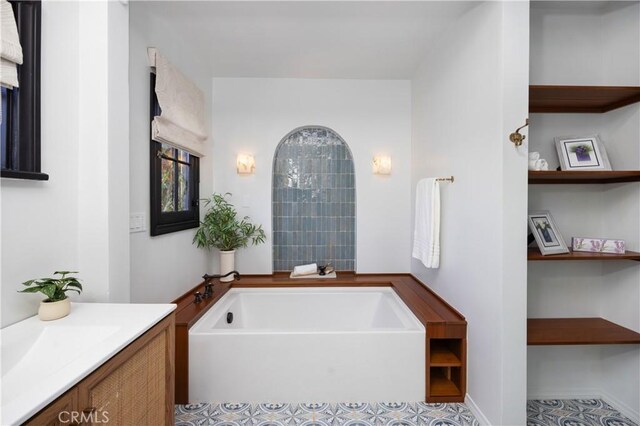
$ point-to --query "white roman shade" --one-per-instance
(10, 49)
(181, 123)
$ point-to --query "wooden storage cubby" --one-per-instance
(446, 369)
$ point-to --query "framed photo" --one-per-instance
(546, 233)
(582, 153)
(598, 245)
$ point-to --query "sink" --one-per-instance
(43, 359)
(31, 359)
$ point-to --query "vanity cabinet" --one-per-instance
(58, 412)
(134, 387)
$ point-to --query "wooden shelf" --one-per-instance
(443, 357)
(581, 99)
(578, 331)
(442, 386)
(582, 177)
(534, 254)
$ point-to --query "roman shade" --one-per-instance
(10, 49)
(181, 122)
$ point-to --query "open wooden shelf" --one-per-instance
(441, 385)
(581, 99)
(582, 177)
(578, 331)
(444, 357)
(534, 254)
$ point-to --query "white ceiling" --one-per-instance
(308, 39)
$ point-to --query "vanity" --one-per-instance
(104, 363)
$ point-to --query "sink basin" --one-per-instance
(53, 348)
(43, 359)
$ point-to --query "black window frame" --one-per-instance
(168, 222)
(23, 153)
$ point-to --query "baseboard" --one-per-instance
(623, 408)
(475, 410)
(581, 393)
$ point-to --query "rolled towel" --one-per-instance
(301, 270)
(537, 165)
(534, 156)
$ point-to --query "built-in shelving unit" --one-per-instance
(581, 99)
(550, 177)
(578, 331)
(534, 254)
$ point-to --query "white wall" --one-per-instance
(165, 266)
(69, 222)
(574, 45)
(469, 93)
(373, 117)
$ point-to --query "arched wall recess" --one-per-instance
(313, 200)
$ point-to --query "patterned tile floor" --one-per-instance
(372, 414)
(574, 412)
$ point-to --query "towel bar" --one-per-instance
(446, 179)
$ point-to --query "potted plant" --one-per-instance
(56, 305)
(222, 229)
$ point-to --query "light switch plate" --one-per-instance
(137, 222)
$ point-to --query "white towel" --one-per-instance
(426, 234)
(305, 270)
(534, 155)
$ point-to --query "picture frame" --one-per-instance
(546, 233)
(598, 245)
(582, 153)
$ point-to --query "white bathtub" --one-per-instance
(308, 345)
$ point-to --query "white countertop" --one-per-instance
(43, 359)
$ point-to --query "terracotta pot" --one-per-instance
(227, 264)
(49, 311)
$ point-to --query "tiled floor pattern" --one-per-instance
(362, 414)
(574, 412)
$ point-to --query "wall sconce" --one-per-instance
(245, 164)
(381, 165)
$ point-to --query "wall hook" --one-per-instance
(516, 137)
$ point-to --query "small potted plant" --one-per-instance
(222, 229)
(56, 305)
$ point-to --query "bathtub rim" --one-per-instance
(218, 309)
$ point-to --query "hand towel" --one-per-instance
(534, 156)
(426, 234)
(540, 164)
(305, 270)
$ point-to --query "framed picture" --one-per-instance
(546, 233)
(582, 153)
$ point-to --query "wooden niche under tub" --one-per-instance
(446, 328)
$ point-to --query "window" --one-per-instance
(20, 128)
(175, 179)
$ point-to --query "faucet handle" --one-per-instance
(208, 290)
(198, 297)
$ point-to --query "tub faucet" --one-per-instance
(207, 277)
(208, 285)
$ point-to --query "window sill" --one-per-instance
(17, 174)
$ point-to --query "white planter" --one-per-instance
(227, 264)
(54, 310)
